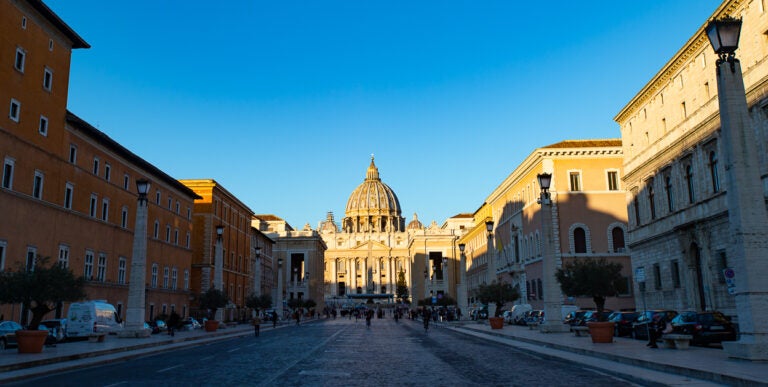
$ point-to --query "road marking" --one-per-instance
(207, 357)
(169, 368)
(252, 345)
(234, 349)
(116, 384)
(325, 373)
(270, 381)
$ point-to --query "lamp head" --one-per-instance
(142, 187)
(545, 179)
(219, 230)
(723, 35)
(279, 262)
(258, 251)
(489, 226)
(462, 247)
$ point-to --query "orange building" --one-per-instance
(68, 190)
(218, 207)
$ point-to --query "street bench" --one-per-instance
(580, 331)
(96, 337)
(675, 340)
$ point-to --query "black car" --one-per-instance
(575, 318)
(622, 322)
(592, 316)
(640, 325)
(705, 327)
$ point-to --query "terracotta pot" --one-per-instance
(31, 341)
(601, 332)
(496, 322)
(211, 325)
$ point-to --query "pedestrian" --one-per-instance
(368, 317)
(173, 321)
(256, 325)
(297, 316)
(274, 319)
(656, 329)
(425, 316)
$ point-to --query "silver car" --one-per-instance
(8, 334)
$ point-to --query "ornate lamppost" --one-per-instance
(461, 289)
(218, 275)
(745, 197)
(257, 272)
(553, 297)
(134, 317)
(279, 303)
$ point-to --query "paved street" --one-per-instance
(339, 352)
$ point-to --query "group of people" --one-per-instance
(657, 328)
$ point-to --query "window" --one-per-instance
(189, 213)
(613, 180)
(126, 180)
(72, 153)
(23, 22)
(50, 44)
(21, 57)
(92, 208)
(121, 265)
(15, 110)
(156, 232)
(176, 237)
(96, 166)
(178, 207)
(154, 275)
(88, 271)
(105, 209)
(63, 256)
(8, 173)
(47, 79)
(683, 112)
(668, 191)
(579, 240)
(124, 217)
(187, 240)
(657, 276)
(37, 185)
(68, 190)
(713, 171)
(651, 198)
(675, 274)
(3, 245)
(42, 128)
(174, 278)
(186, 279)
(168, 233)
(157, 197)
(617, 235)
(107, 171)
(166, 277)
(689, 183)
(101, 273)
(170, 202)
(575, 181)
(31, 258)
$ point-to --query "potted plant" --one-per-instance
(596, 278)
(40, 288)
(257, 303)
(499, 294)
(210, 301)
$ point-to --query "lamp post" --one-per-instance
(747, 221)
(218, 264)
(491, 265)
(426, 288)
(461, 289)
(257, 271)
(279, 303)
(552, 294)
(134, 317)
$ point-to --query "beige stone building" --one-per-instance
(674, 174)
(589, 217)
(373, 245)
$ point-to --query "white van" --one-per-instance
(92, 316)
(515, 315)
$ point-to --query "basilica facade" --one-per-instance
(372, 250)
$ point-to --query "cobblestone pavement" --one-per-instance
(340, 352)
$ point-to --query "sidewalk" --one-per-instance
(627, 357)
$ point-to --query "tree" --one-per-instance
(40, 288)
(212, 300)
(309, 303)
(256, 302)
(294, 303)
(591, 278)
(497, 293)
(402, 287)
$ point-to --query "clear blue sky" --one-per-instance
(283, 102)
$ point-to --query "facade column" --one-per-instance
(461, 288)
(134, 317)
(552, 294)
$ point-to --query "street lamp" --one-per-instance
(134, 317)
(747, 221)
(491, 265)
(461, 288)
(218, 266)
(257, 271)
(279, 302)
(552, 294)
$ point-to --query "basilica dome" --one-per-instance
(373, 206)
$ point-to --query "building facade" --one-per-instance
(589, 219)
(678, 215)
(68, 190)
(218, 207)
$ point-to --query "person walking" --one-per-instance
(274, 319)
(426, 316)
(256, 325)
(656, 329)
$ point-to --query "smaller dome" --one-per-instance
(329, 225)
(415, 224)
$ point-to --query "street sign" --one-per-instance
(640, 274)
(729, 273)
(434, 300)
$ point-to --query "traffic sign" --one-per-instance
(640, 274)
(729, 273)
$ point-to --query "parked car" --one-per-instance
(189, 324)
(8, 333)
(57, 328)
(640, 325)
(534, 317)
(706, 327)
(622, 323)
(152, 327)
(161, 325)
(517, 313)
(574, 318)
(592, 316)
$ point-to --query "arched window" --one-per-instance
(689, 182)
(579, 240)
(617, 234)
(670, 196)
(713, 171)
